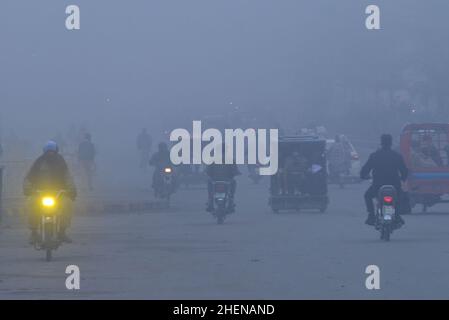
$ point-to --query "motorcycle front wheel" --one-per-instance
(48, 234)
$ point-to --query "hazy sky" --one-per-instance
(140, 62)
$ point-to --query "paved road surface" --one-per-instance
(182, 253)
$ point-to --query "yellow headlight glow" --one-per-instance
(48, 202)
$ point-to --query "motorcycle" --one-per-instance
(166, 185)
(49, 211)
(222, 201)
(386, 211)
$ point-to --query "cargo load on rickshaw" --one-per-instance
(301, 180)
(425, 148)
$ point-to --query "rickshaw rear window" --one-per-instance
(429, 148)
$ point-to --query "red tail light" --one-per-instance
(388, 199)
(220, 187)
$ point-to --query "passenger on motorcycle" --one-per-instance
(50, 172)
(221, 172)
(388, 168)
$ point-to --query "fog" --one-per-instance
(162, 64)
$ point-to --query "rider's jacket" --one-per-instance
(49, 172)
(387, 167)
(160, 160)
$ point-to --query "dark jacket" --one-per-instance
(49, 172)
(161, 160)
(387, 167)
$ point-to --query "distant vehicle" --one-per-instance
(303, 186)
(425, 148)
(353, 175)
(166, 187)
(49, 211)
(386, 212)
(222, 203)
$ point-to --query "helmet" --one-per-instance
(51, 146)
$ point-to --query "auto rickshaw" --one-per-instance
(425, 148)
(301, 180)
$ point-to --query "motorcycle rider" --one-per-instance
(50, 172)
(221, 172)
(388, 168)
(86, 157)
(160, 160)
(144, 143)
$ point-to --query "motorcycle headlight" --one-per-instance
(167, 170)
(48, 202)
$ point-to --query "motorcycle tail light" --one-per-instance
(220, 187)
(388, 199)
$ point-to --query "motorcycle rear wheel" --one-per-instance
(220, 214)
(385, 233)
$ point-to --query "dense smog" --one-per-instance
(224, 150)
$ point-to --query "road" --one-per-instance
(181, 253)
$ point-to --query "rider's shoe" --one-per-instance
(64, 238)
(371, 220)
